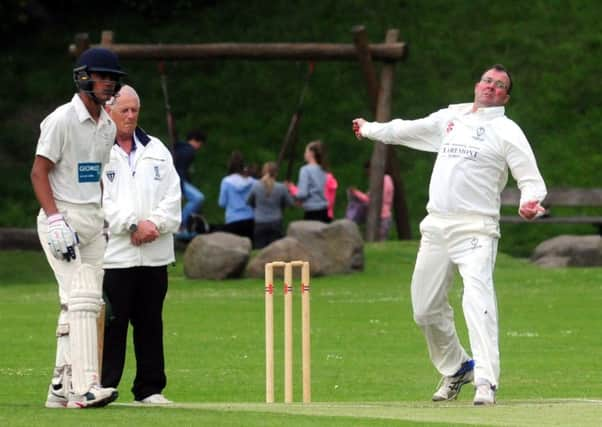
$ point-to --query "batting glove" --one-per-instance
(62, 239)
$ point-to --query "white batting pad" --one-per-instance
(63, 357)
(84, 306)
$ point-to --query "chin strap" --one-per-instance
(93, 97)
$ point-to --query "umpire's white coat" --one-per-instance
(149, 189)
(475, 150)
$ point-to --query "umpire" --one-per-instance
(142, 205)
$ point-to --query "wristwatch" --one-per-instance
(133, 228)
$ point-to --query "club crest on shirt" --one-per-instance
(479, 134)
(157, 176)
(110, 175)
(450, 126)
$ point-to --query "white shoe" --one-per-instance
(450, 386)
(56, 397)
(96, 397)
(485, 394)
(155, 399)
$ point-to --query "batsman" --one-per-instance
(476, 145)
(74, 145)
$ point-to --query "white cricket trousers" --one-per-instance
(87, 221)
(470, 243)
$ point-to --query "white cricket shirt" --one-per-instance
(475, 151)
(79, 147)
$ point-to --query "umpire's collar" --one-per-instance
(142, 136)
(139, 136)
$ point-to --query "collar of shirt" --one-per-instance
(133, 154)
(83, 114)
(141, 139)
(141, 136)
(137, 145)
(135, 150)
(487, 113)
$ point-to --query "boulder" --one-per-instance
(333, 248)
(216, 256)
(553, 261)
(569, 251)
(286, 249)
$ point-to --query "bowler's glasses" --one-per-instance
(497, 83)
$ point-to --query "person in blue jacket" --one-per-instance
(233, 193)
(184, 154)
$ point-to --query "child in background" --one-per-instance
(310, 187)
(268, 199)
(330, 192)
(358, 204)
(233, 193)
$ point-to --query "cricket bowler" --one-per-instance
(476, 145)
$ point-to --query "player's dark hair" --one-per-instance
(197, 135)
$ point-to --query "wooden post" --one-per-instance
(400, 211)
(269, 333)
(379, 153)
(306, 332)
(360, 40)
(82, 42)
(288, 333)
(106, 38)
(255, 51)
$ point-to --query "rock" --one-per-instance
(568, 250)
(552, 261)
(333, 248)
(216, 256)
(19, 238)
(286, 249)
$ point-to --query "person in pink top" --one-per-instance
(330, 192)
(358, 204)
(385, 212)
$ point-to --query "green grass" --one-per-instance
(369, 362)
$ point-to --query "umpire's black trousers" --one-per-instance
(135, 295)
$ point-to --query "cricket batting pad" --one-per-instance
(84, 305)
(63, 358)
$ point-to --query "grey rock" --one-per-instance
(553, 261)
(216, 256)
(286, 249)
(580, 251)
(334, 248)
